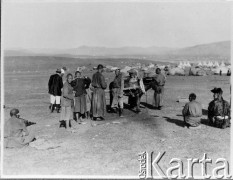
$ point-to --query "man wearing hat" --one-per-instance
(117, 92)
(16, 134)
(219, 110)
(98, 97)
(55, 85)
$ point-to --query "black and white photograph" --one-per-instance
(116, 89)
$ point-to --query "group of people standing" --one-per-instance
(78, 96)
(83, 97)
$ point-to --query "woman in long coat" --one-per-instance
(66, 100)
(79, 84)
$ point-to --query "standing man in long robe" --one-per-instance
(79, 85)
(98, 97)
(158, 87)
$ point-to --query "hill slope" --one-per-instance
(212, 49)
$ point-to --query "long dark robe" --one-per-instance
(98, 95)
(79, 85)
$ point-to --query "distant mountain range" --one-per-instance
(222, 49)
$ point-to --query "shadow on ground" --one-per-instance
(149, 106)
(175, 121)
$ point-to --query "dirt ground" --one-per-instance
(111, 148)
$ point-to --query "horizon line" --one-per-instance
(126, 46)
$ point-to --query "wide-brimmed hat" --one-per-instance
(100, 66)
(58, 71)
(217, 90)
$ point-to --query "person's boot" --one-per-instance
(224, 125)
(88, 115)
(74, 116)
(53, 107)
(114, 110)
(50, 106)
(120, 112)
(58, 108)
(78, 117)
(62, 124)
(67, 124)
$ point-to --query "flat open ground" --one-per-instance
(112, 147)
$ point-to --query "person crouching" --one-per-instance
(16, 134)
(192, 112)
(219, 110)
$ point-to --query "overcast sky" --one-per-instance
(111, 24)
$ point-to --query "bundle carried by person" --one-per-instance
(132, 84)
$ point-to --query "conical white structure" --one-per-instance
(222, 64)
(180, 65)
(216, 64)
(199, 64)
(210, 64)
(188, 64)
(204, 63)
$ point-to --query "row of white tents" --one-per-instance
(183, 68)
(201, 64)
